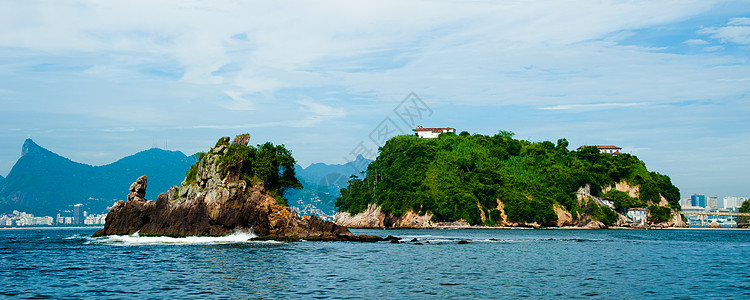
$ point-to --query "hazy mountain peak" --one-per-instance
(30, 146)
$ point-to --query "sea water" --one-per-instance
(622, 264)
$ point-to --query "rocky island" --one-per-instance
(474, 180)
(233, 187)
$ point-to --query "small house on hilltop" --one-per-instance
(609, 149)
(431, 133)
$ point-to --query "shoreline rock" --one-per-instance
(374, 218)
(217, 202)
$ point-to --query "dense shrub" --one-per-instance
(745, 208)
(495, 215)
(622, 200)
(604, 214)
(659, 213)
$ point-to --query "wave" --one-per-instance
(476, 239)
(136, 239)
(76, 237)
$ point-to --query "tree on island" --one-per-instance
(272, 164)
(745, 208)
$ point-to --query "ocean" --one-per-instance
(496, 263)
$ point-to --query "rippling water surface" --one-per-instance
(629, 264)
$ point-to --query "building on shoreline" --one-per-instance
(639, 215)
(732, 202)
(21, 219)
(698, 200)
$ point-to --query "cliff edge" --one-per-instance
(221, 194)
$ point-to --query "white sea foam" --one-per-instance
(419, 237)
(75, 237)
(136, 239)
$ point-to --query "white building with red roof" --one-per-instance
(431, 133)
(609, 149)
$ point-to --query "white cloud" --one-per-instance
(739, 21)
(732, 34)
(238, 101)
(713, 48)
(281, 40)
(319, 111)
(737, 31)
(735, 79)
(589, 107)
(695, 42)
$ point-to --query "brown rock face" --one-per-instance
(216, 202)
(138, 190)
(564, 218)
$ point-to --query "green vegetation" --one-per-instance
(494, 215)
(456, 176)
(601, 213)
(659, 213)
(192, 172)
(745, 208)
(272, 164)
(622, 200)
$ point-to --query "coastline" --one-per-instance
(51, 227)
(551, 228)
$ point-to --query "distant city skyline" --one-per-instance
(666, 81)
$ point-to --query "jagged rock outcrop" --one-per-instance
(564, 218)
(216, 201)
(138, 190)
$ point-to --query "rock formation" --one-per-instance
(373, 217)
(216, 201)
(564, 218)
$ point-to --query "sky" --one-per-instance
(668, 81)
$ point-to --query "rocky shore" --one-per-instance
(374, 217)
(217, 202)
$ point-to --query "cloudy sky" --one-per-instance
(669, 81)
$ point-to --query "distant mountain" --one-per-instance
(1, 178)
(322, 183)
(44, 183)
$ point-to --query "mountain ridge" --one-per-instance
(322, 184)
(43, 182)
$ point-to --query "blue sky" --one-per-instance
(669, 81)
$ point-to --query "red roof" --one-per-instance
(433, 129)
(602, 146)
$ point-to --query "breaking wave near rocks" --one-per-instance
(137, 239)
